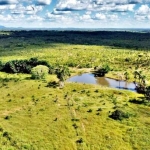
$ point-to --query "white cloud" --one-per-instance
(43, 2)
(6, 18)
(3, 7)
(143, 13)
(51, 17)
(123, 8)
(66, 5)
(97, 5)
(27, 10)
(74, 12)
(140, 18)
(143, 10)
(100, 16)
(85, 17)
(114, 8)
(34, 18)
(113, 17)
(12, 6)
(135, 1)
(7, 2)
(116, 2)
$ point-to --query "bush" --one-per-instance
(119, 115)
(39, 72)
(101, 71)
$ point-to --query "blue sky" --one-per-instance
(75, 13)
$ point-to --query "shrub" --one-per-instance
(101, 71)
(7, 135)
(79, 141)
(7, 117)
(39, 72)
(119, 115)
(90, 110)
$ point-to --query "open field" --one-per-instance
(37, 116)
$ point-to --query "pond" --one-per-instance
(91, 79)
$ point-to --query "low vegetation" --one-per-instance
(41, 114)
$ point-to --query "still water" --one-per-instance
(89, 78)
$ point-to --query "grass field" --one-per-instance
(37, 116)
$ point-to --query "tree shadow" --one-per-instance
(140, 100)
(52, 84)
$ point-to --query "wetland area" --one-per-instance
(89, 78)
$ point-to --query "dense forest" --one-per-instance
(120, 39)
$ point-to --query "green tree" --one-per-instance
(141, 86)
(39, 72)
(62, 73)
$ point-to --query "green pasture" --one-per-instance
(36, 115)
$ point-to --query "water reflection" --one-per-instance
(89, 78)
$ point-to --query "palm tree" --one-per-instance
(120, 78)
(141, 86)
(126, 74)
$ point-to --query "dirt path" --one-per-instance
(8, 112)
(14, 110)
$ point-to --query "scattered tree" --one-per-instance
(39, 72)
(101, 71)
(62, 73)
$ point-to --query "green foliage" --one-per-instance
(126, 74)
(141, 86)
(39, 72)
(122, 39)
(17, 66)
(7, 117)
(119, 115)
(90, 110)
(62, 73)
(101, 71)
(23, 66)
